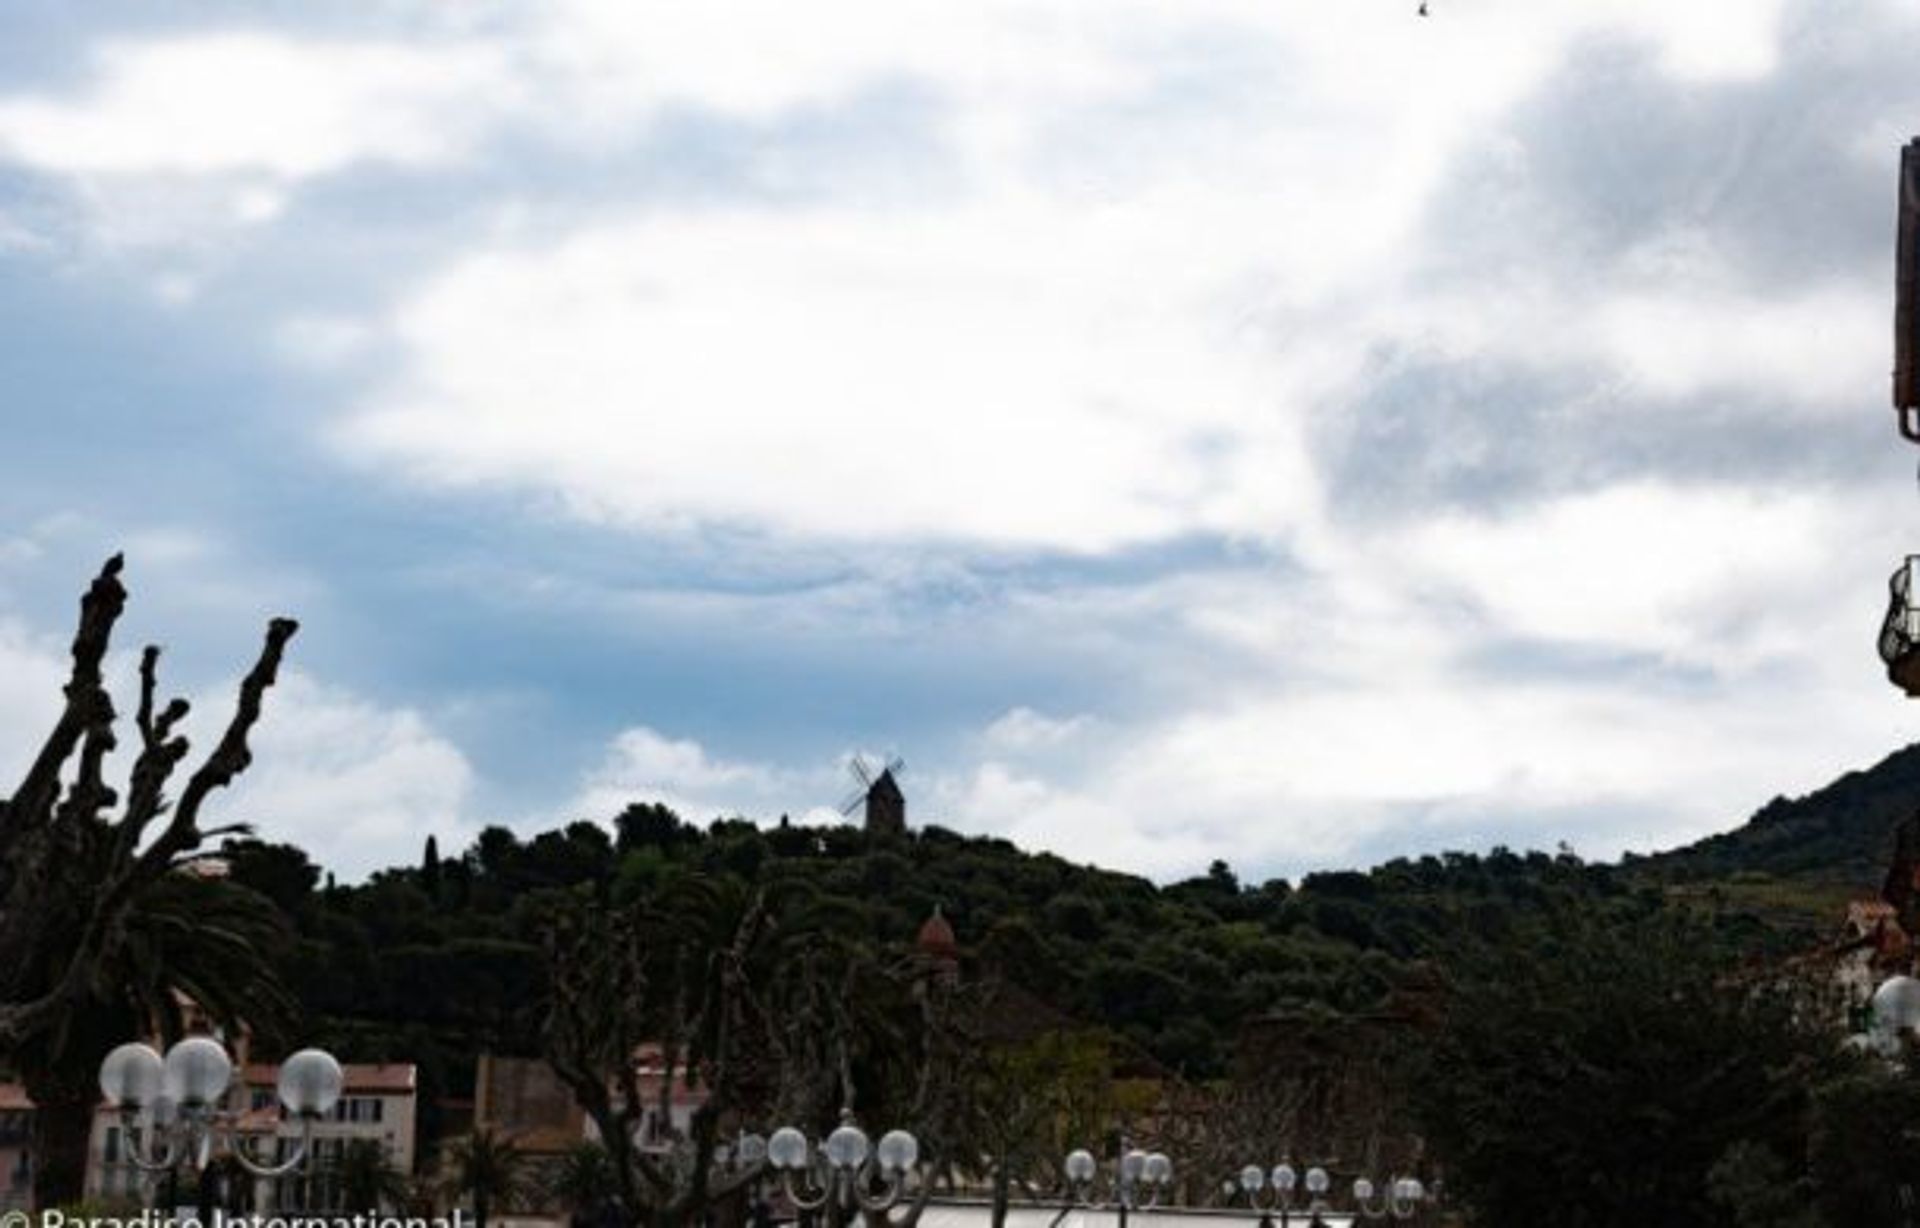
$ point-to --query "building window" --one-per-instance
(359, 1109)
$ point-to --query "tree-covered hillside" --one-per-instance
(1802, 857)
(437, 961)
(442, 958)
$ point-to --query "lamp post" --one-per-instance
(745, 1157)
(178, 1098)
(1895, 1006)
(1400, 1197)
(1893, 1014)
(1138, 1180)
(839, 1174)
(746, 1152)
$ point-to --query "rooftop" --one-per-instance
(378, 1078)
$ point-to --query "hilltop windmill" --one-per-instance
(886, 805)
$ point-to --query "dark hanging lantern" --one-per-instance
(1900, 633)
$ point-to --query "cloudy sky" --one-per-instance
(1299, 433)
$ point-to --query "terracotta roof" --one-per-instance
(381, 1078)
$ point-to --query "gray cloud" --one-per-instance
(1428, 431)
(1616, 152)
(1620, 177)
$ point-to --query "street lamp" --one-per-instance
(1893, 1014)
(747, 1152)
(1399, 1198)
(841, 1171)
(180, 1096)
(1896, 1004)
(1138, 1179)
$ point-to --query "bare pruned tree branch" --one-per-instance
(73, 844)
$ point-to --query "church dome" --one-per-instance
(936, 937)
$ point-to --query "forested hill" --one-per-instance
(439, 960)
(1834, 840)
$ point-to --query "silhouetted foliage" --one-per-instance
(1864, 1151)
(1583, 956)
(97, 926)
(281, 872)
(1604, 1073)
(1176, 970)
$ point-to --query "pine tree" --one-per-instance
(430, 868)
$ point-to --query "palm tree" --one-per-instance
(207, 939)
(487, 1168)
(367, 1179)
(582, 1179)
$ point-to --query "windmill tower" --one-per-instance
(886, 805)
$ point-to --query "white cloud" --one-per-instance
(32, 671)
(1631, 668)
(1087, 826)
(1657, 338)
(1693, 574)
(1817, 349)
(255, 104)
(1129, 258)
(358, 785)
(293, 107)
(1021, 729)
(1074, 312)
(1008, 374)
(178, 144)
(1628, 669)
(1103, 321)
(643, 765)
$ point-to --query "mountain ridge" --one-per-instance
(1808, 853)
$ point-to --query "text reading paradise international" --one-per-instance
(187, 1218)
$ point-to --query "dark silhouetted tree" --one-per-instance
(1604, 1074)
(77, 876)
(652, 825)
(281, 872)
(367, 1179)
(430, 868)
(487, 1169)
